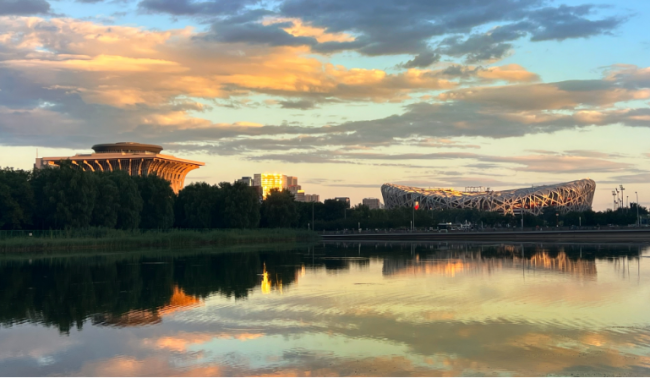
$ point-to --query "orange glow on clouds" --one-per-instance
(299, 29)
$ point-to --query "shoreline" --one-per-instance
(121, 240)
(580, 236)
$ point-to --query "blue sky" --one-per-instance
(344, 95)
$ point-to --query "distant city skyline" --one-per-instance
(345, 95)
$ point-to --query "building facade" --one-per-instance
(134, 158)
(312, 198)
(248, 181)
(565, 197)
(270, 181)
(372, 203)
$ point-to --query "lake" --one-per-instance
(330, 309)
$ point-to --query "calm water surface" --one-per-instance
(369, 309)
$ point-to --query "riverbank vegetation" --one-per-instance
(103, 238)
(401, 218)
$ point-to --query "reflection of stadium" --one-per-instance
(571, 196)
(134, 158)
(475, 264)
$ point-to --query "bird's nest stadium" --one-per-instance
(566, 197)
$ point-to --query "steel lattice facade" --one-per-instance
(571, 196)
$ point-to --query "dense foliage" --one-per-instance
(279, 209)
(330, 217)
(226, 205)
(68, 198)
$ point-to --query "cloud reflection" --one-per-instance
(374, 309)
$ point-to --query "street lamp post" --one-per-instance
(557, 220)
(413, 221)
(638, 221)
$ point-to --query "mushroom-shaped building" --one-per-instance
(135, 158)
(570, 196)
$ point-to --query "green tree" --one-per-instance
(158, 202)
(197, 206)
(333, 209)
(360, 212)
(241, 206)
(309, 210)
(65, 196)
(279, 209)
(106, 202)
(10, 212)
(16, 199)
(129, 202)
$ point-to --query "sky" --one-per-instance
(344, 95)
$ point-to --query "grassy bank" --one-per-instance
(93, 239)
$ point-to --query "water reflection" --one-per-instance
(474, 263)
(333, 309)
(179, 301)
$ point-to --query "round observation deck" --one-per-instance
(128, 147)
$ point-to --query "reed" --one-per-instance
(110, 239)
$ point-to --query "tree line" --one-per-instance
(401, 218)
(66, 198)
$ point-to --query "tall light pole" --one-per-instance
(614, 200)
(638, 220)
(557, 220)
(413, 221)
(622, 192)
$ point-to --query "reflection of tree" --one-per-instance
(128, 290)
(63, 293)
(137, 289)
